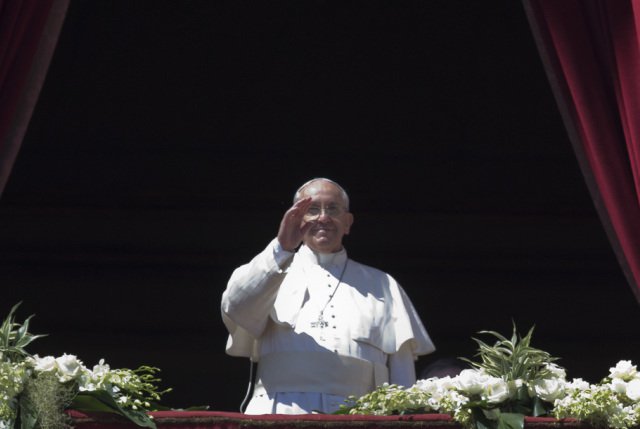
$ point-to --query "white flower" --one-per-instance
(618, 385)
(548, 389)
(633, 389)
(495, 390)
(624, 370)
(445, 384)
(87, 386)
(101, 368)
(578, 384)
(557, 371)
(471, 381)
(45, 364)
(429, 385)
(69, 367)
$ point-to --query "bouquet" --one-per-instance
(35, 391)
(512, 380)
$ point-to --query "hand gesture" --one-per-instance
(292, 226)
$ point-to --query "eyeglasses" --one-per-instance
(314, 212)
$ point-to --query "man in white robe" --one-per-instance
(320, 325)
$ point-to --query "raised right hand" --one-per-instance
(292, 226)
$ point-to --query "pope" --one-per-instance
(320, 325)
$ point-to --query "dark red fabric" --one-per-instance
(230, 420)
(22, 25)
(591, 53)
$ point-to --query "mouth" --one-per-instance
(321, 229)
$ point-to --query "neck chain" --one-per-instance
(320, 322)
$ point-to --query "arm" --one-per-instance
(252, 289)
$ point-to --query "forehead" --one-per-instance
(323, 191)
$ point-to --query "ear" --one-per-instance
(348, 223)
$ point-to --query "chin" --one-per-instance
(326, 247)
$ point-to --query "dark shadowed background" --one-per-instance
(170, 137)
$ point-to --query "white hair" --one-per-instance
(343, 193)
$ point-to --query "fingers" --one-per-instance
(291, 228)
(301, 206)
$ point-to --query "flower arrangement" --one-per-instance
(35, 391)
(512, 380)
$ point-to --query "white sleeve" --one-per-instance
(402, 370)
(252, 290)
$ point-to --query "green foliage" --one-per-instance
(388, 399)
(44, 400)
(496, 394)
(102, 401)
(498, 420)
(512, 359)
(37, 390)
(12, 378)
(14, 337)
(599, 405)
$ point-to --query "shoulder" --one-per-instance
(371, 274)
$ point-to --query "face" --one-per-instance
(328, 215)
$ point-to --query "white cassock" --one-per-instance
(322, 327)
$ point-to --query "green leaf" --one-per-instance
(342, 411)
(140, 418)
(522, 394)
(28, 415)
(540, 408)
(511, 421)
(481, 421)
(103, 401)
(89, 401)
(14, 337)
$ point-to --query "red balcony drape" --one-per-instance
(590, 49)
(29, 31)
(229, 420)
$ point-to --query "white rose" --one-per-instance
(495, 390)
(69, 367)
(47, 363)
(633, 389)
(471, 381)
(618, 385)
(548, 389)
(624, 370)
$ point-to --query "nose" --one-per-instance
(324, 217)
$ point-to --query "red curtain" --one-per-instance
(29, 30)
(590, 49)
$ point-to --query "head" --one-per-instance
(329, 215)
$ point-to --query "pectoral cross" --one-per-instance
(321, 324)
